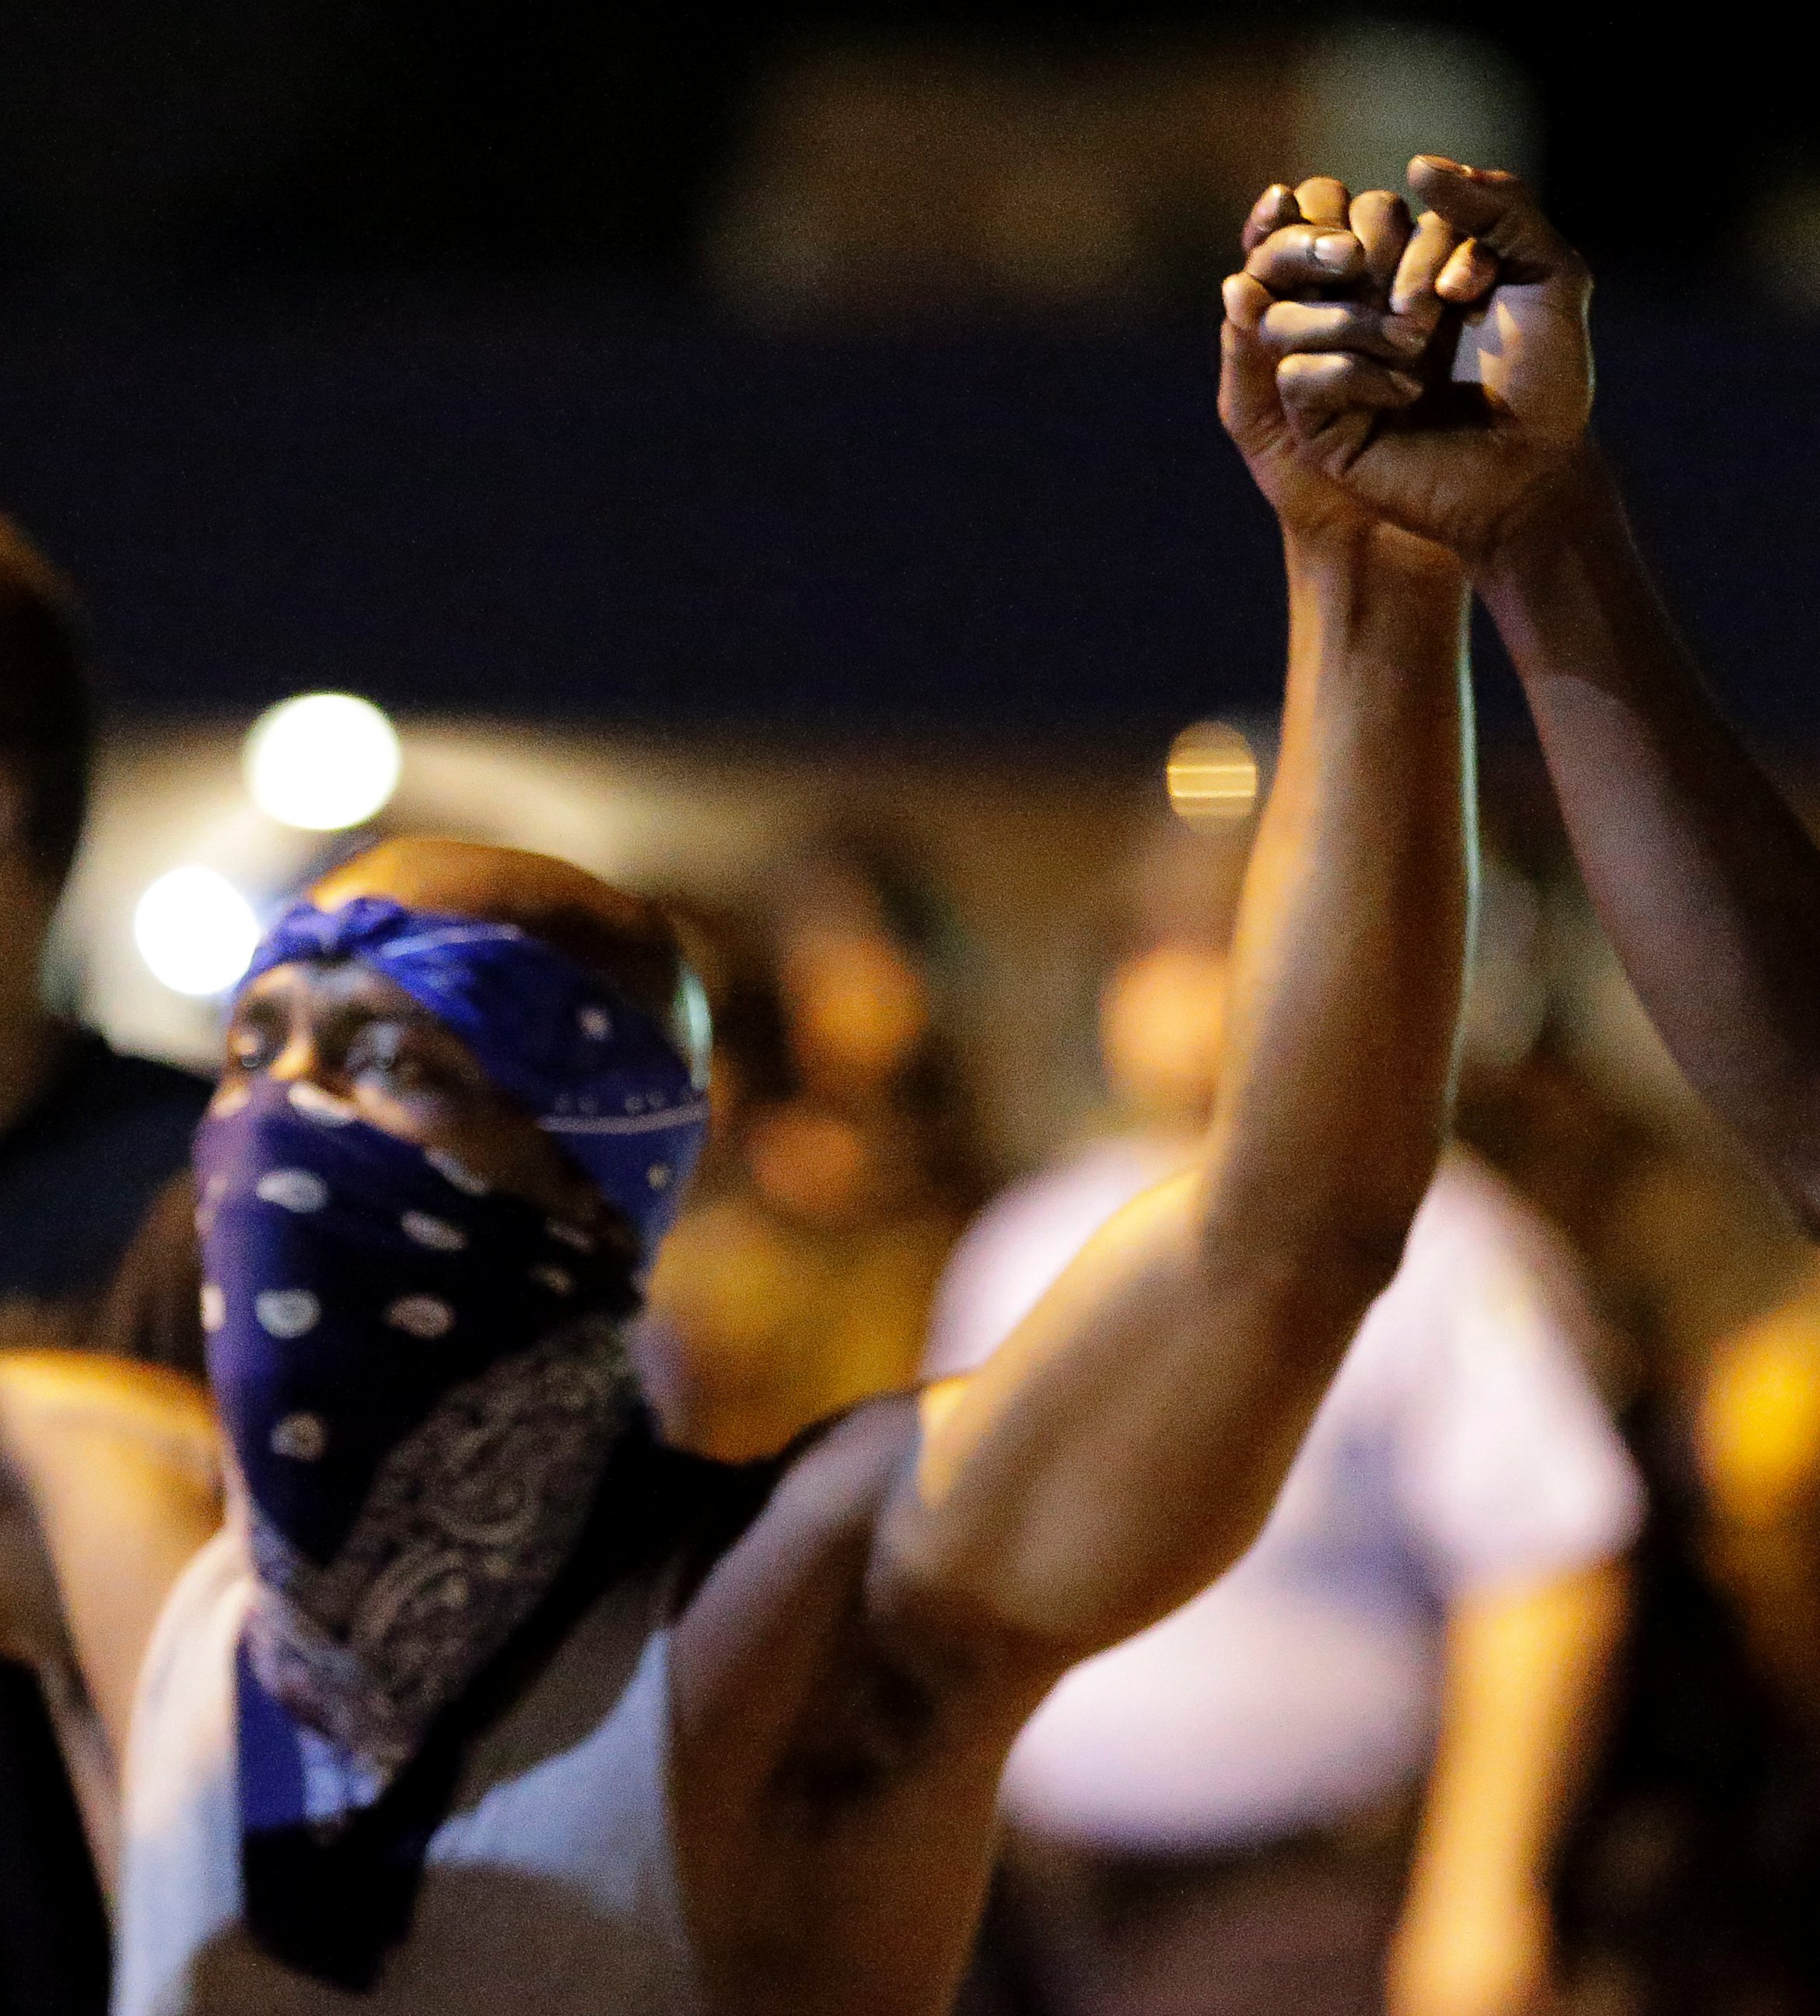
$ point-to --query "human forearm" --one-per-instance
(1124, 1445)
(1337, 1077)
(1526, 1670)
(1705, 880)
(1339, 1041)
(117, 1463)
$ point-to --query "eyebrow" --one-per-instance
(340, 1018)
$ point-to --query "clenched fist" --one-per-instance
(1435, 374)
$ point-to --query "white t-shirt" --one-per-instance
(1461, 1446)
(550, 1889)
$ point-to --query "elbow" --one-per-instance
(1342, 1251)
(952, 1623)
(1342, 1217)
(1353, 1262)
(1289, 1313)
(1308, 1289)
(1367, 1250)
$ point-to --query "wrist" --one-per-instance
(1370, 555)
(1577, 509)
(1401, 599)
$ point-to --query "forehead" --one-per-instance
(341, 984)
(344, 987)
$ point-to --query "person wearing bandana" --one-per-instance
(480, 1697)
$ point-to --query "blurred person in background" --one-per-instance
(88, 1139)
(1683, 1886)
(87, 1136)
(1688, 1887)
(1350, 1760)
(798, 1281)
(1757, 1441)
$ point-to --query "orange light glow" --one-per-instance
(1213, 775)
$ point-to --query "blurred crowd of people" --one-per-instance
(1514, 1705)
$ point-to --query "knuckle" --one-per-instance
(1303, 376)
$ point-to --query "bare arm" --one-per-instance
(1125, 1444)
(1707, 882)
(847, 1683)
(1527, 1668)
(117, 1462)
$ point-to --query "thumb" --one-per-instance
(1248, 394)
(1497, 209)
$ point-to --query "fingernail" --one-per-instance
(1334, 251)
(1442, 161)
(1409, 387)
(1232, 292)
(1404, 335)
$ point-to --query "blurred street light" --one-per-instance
(1213, 775)
(195, 930)
(322, 762)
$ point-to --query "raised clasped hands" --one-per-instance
(1430, 374)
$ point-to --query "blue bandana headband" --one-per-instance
(594, 1072)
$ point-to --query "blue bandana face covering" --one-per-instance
(422, 1379)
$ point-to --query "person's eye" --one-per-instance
(389, 1052)
(252, 1045)
(380, 1051)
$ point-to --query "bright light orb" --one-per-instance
(195, 931)
(322, 762)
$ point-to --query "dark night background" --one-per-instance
(367, 345)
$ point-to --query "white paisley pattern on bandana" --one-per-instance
(467, 1522)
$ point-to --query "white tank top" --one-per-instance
(551, 1886)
